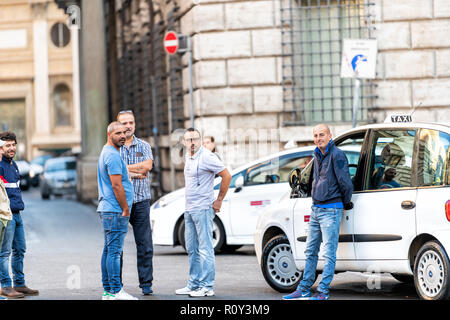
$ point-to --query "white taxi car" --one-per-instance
(253, 187)
(400, 223)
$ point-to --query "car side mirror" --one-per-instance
(298, 184)
(239, 183)
(294, 178)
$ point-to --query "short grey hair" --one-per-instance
(112, 126)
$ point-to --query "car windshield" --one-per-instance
(61, 166)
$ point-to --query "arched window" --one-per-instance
(62, 106)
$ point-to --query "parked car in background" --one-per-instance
(59, 177)
(24, 171)
(37, 167)
(253, 186)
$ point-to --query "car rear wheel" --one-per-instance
(218, 235)
(44, 193)
(431, 269)
(278, 265)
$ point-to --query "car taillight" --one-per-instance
(306, 218)
(447, 210)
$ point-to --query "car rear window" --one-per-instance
(433, 166)
(61, 166)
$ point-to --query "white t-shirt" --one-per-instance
(199, 172)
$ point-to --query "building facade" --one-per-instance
(36, 78)
(265, 72)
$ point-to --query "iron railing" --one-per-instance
(312, 37)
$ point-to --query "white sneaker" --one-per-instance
(184, 290)
(202, 292)
(122, 295)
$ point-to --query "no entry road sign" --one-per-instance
(171, 42)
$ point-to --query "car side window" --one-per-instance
(291, 163)
(275, 170)
(433, 165)
(391, 159)
(352, 149)
(232, 182)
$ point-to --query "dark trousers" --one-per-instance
(140, 221)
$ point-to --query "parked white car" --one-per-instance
(253, 187)
(400, 223)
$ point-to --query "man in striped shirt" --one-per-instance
(138, 156)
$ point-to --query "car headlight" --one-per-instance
(31, 174)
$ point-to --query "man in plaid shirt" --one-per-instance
(138, 156)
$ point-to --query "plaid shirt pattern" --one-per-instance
(138, 151)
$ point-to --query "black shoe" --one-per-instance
(147, 290)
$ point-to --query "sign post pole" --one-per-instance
(191, 80)
(179, 43)
(356, 100)
(358, 62)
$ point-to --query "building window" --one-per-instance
(60, 35)
(312, 38)
(62, 107)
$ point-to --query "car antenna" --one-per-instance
(404, 117)
(414, 108)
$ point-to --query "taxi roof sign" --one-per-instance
(402, 118)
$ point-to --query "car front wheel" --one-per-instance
(278, 265)
(431, 269)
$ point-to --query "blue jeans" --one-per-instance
(115, 228)
(199, 246)
(2, 232)
(13, 242)
(323, 226)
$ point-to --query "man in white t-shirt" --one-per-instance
(199, 171)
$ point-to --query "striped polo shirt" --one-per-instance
(138, 151)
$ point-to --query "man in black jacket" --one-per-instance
(14, 244)
(332, 190)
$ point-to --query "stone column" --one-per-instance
(40, 61)
(76, 75)
(94, 97)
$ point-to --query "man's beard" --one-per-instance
(129, 134)
(193, 149)
(7, 157)
(119, 143)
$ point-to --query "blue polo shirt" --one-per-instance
(111, 163)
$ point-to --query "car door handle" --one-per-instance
(408, 204)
